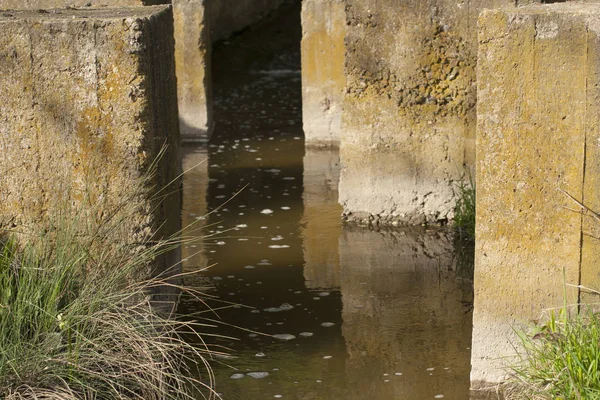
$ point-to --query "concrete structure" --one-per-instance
(323, 79)
(192, 53)
(88, 101)
(409, 108)
(321, 225)
(538, 132)
(192, 58)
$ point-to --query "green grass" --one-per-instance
(464, 210)
(561, 359)
(78, 319)
(75, 325)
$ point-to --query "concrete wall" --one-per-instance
(323, 79)
(88, 100)
(192, 53)
(409, 109)
(538, 131)
(321, 225)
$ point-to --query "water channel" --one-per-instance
(361, 313)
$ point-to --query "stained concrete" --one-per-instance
(49, 4)
(192, 53)
(537, 132)
(323, 79)
(192, 58)
(409, 109)
(404, 311)
(88, 102)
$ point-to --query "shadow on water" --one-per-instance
(374, 314)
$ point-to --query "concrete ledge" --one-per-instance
(537, 132)
(409, 108)
(49, 4)
(88, 100)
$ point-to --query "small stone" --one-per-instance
(327, 324)
(237, 376)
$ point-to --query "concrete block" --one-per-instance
(409, 108)
(321, 225)
(88, 101)
(537, 132)
(323, 79)
(49, 4)
(192, 58)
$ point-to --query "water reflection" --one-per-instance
(407, 319)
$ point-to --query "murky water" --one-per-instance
(358, 314)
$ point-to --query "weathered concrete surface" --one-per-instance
(229, 16)
(404, 311)
(537, 132)
(88, 100)
(323, 79)
(321, 225)
(194, 209)
(409, 108)
(192, 58)
(49, 4)
(192, 53)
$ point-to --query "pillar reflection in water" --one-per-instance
(406, 315)
(194, 209)
(321, 225)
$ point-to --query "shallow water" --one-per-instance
(362, 314)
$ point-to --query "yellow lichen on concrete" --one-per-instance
(537, 133)
(409, 108)
(192, 58)
(323, 79)
(88, 101)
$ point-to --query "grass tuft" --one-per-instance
(464, 210)
(561, 358)
(80, 319)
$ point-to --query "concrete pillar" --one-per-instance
(323, 79)
(321, 225)
(192, 57)
(409, 109)
(192, 53)
(537, 132)
(404, 311)
(88, 101)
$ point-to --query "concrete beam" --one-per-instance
(323, 79)
(409, 109)
(192, 58)
(88, 101)
(537, 132)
